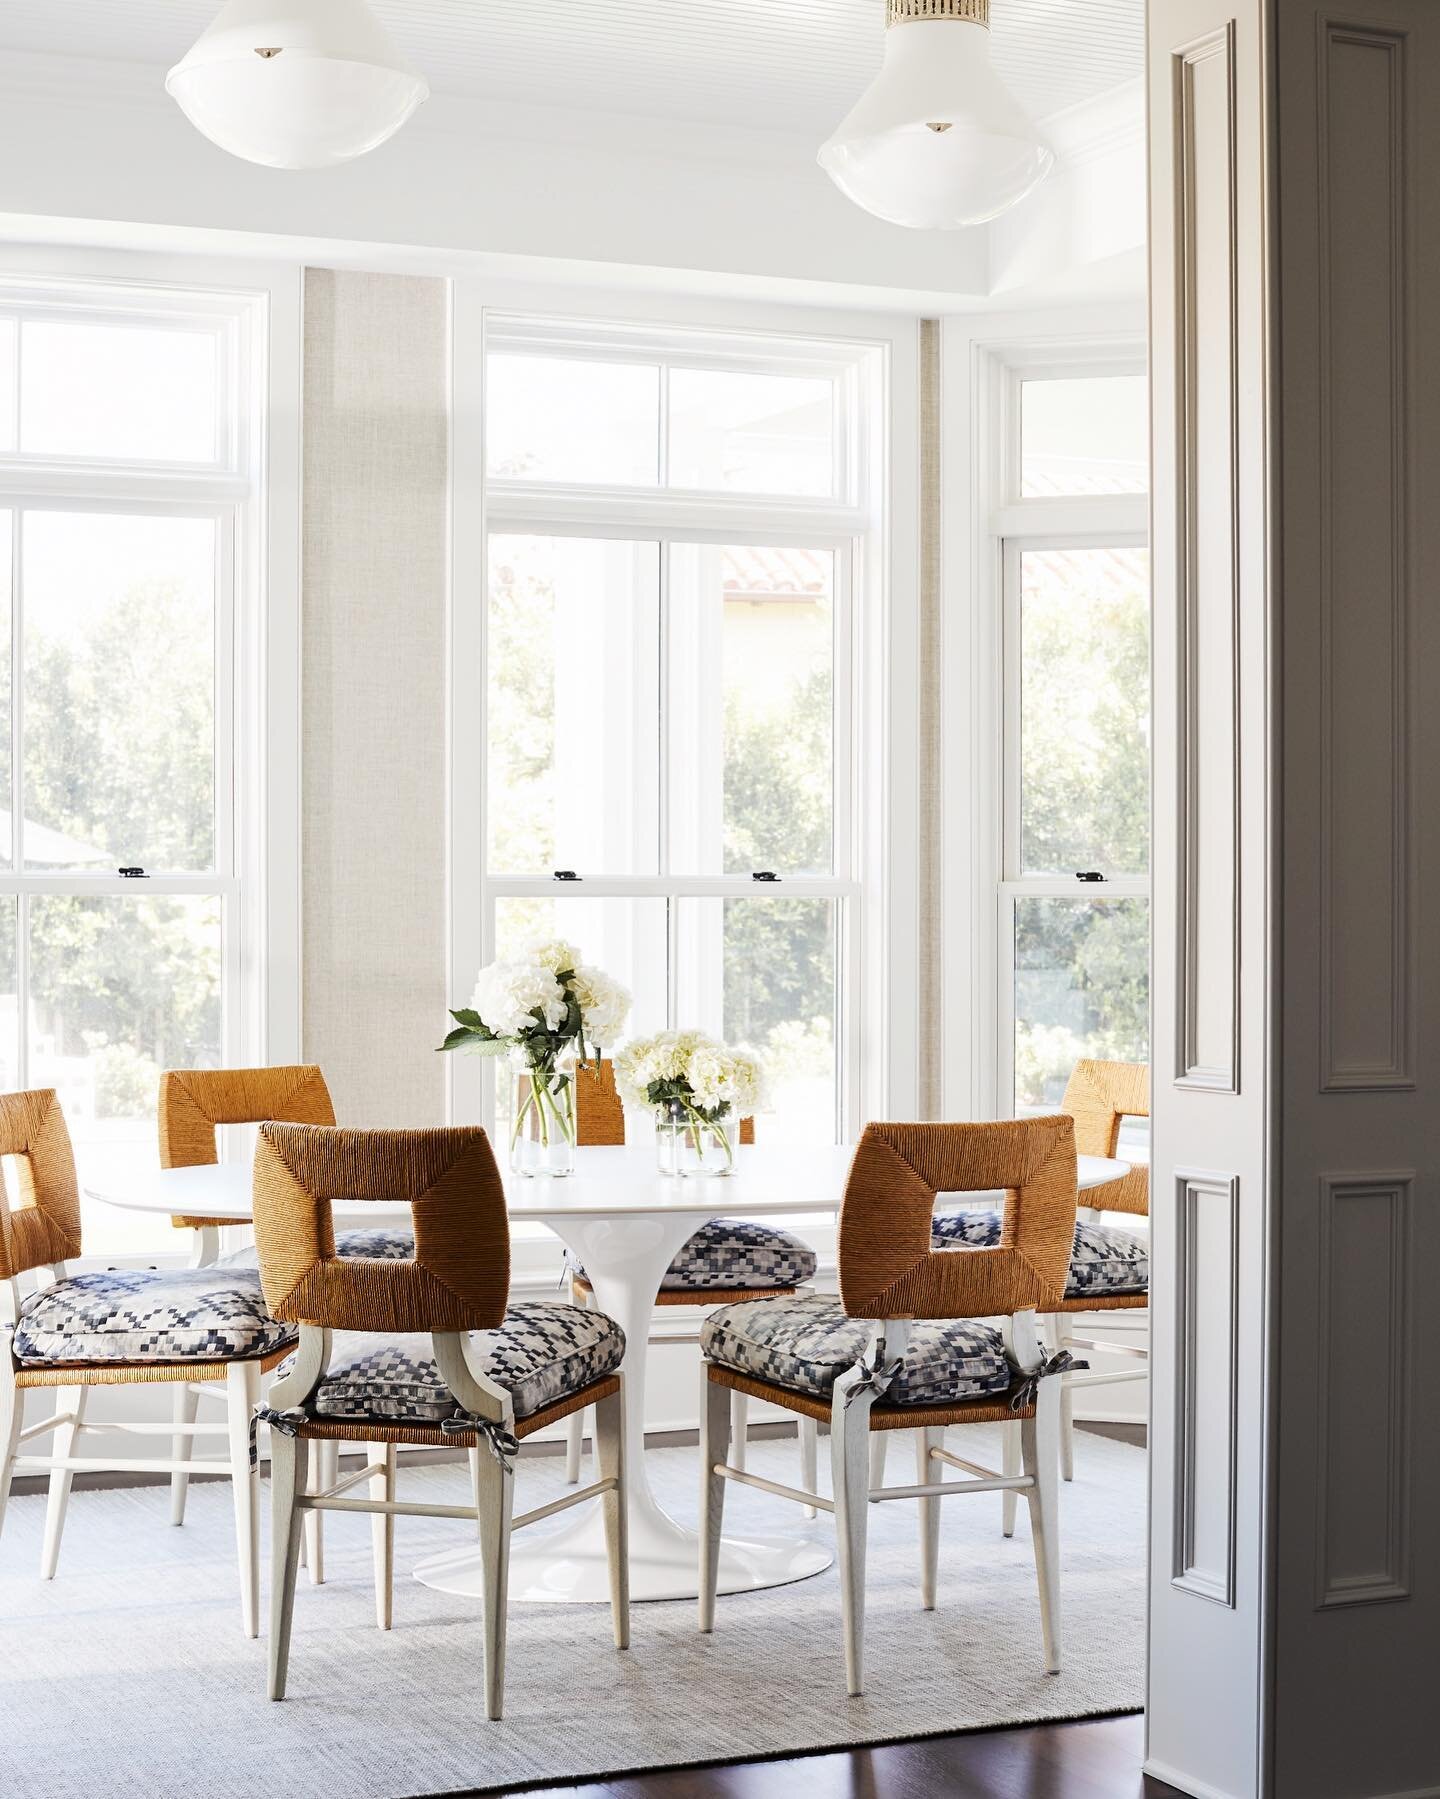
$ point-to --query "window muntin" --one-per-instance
(1086, 434)
(119, 718)
(616, 411)
(736, 762)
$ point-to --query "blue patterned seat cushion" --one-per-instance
(733, 1252)
(806, 1343)
(149, 1315)
(1104, 1260)
(544, 1351)
(378, 1242)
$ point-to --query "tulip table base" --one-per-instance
(625, 1257)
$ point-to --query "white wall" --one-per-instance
(95, 152)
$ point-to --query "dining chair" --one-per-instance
(1109, 1266)
(728, 1259)
(439, 1357)
(919, 1339)
(193, 1103)
(117, 1327)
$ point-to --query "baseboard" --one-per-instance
(1198, 1789)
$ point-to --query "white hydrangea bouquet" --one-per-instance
(699, 1090)
(543, 1011)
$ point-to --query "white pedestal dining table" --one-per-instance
(625, 1222)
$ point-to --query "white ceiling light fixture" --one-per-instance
(936, 141)
(296, 84)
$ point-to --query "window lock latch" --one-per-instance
(132, 874)
(764, 874)
(1088, 874)
(566, 874)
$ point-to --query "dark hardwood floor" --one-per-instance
(1096, 1758)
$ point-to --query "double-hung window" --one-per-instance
(677, 524)
(127, 480)
(1074, 889)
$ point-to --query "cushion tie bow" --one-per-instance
(875, 1378)
(287, 1423)
(499, 1441)
(1059, 1363)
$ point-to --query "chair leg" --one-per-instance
(242, 1395)
(67, 1399)
(879, 1445)
(12, 1422)
(850, 1476)
(289, 1459)
(574, 1444)
(715, 1450)
(327, 1471)
(1010, 1465)
(184, 1405)
(382, 1538)
(1040, 1451)
(739, 1429)
(495, 1486)
(809, 1460)
(925, 1441)
(1055, 1339)
(610, 1461)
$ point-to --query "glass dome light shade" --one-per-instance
(296, 84)
(936, 141)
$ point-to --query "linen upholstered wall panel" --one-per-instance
(375, 467)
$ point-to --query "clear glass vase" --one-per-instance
(542, 1119)
(688, 1144)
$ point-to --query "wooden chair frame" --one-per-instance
(194, 1102)
(1099, 1096)
(600, 1119)
(38, 1237)
(890, 1276)
(457, 1281)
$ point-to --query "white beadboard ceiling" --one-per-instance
(781, 65)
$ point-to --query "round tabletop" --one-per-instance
(768, 1178)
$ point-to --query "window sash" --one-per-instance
(227, 522)
(226, 489)
(844, 524)
(847, 551)
(1012, 726)
(1018, 524)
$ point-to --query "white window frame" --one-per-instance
(252, 490)
(874, 875)
(988, 523)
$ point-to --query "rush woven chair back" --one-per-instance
(600, 1112)
(911, 1345)
(42, 1227)
(186, 1328)
(454, 1289)
(600, 1119)
(1099, 1096)
(1110, 1270)
(193, 1101)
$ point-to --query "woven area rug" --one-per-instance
(128, 1674)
